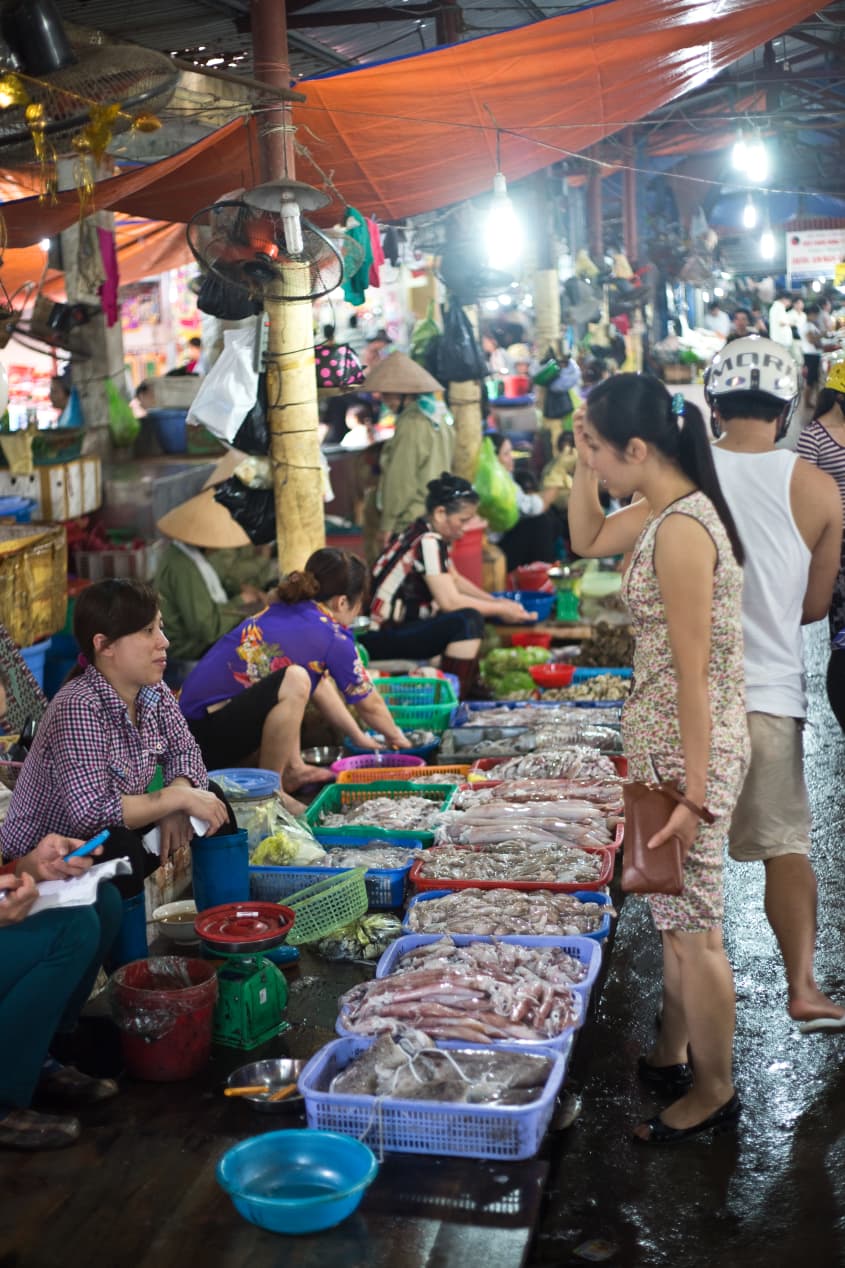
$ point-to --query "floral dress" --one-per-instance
(650, 727)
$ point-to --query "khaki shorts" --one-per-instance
(772, 816)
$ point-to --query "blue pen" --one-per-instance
(88, 846)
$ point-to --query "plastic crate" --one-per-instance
(429, 1127)
(374, 762)
(404, 772)
(385, 886)
(418, 703)
(585, 950)
(531, 600)
(333, 798)
(330, 904)
(607, 856)
(485, 767)
(598, 935)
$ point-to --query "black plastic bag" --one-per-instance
(253, 435)
(558, 402)
(455, 357)
(253, 509)
(226, 300)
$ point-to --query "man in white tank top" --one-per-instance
(789, 518)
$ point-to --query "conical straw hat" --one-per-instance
(203, 522)
(225, 467)
(398, 373)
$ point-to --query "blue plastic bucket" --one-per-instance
(170, 428)
(18, 509)
(131, 941)
(220, 867)
(35, 657)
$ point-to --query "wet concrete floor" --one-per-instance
(774, 1193)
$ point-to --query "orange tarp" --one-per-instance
(407, 136)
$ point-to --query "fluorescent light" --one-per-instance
(817, 286)
(739, 154)
(756, 162)
(767, 244)
(749, 215)
(503, 232)
(719, 293)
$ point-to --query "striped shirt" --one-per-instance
(87, 754)
(817, 445)
(399, 589)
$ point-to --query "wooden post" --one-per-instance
(465, 404)
(292, 419)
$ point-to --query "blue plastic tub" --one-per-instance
(297, 1181)
(598, 935)
(385, 886)
(531, 600)
(35, 656)
(131, 941)
(220, 869)
(18, 509)
(170, 428)
(582, 675)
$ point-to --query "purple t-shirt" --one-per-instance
(283, 634)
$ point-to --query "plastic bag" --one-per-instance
(123, 425)
(226, 300)
(291, 843)
(495, 489)
(253, 509)
(230, 389)
(455, 357)
(422, 335)
(253, 435)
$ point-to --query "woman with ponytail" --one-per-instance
(685, 717)
(249, 691)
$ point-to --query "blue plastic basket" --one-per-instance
(582, 675)
(585, 950)
(429, 1127)
(531, 600)
(598, 935)
(385, 886)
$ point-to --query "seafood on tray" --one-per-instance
(575, 762)
(541, 716)
(373, 854)
(605, 738)
(408, 814)
(567, 822)
(605, 794)
(411, 1068)
(488, 994)
(601, 687)
(503, 911)
(549, 861)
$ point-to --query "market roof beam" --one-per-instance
(350, 17)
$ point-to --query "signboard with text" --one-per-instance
(814, 252)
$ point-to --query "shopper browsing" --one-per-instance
(790, 518)
(685, 718)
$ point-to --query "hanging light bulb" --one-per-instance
(749, 214)
(756, 162)
(739, 153)
(503, 232)
(767, 244)
(292, 226)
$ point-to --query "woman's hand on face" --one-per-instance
(174, 831)
(204, 805)
(47, 861)
(18, 894)
(682, 823)
(578, 419)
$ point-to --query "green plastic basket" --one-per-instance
(326, 906)
(333, 798)
(418, 703)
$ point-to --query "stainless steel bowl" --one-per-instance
(323, 755)
(274, 1074)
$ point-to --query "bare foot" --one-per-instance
(297, 777)
(812, 1006)
(293, 807)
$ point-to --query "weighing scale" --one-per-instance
(252, 992)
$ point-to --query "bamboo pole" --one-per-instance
(292, 417)
(546, 291)
(465, 404)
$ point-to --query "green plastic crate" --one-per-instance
(330, 904)
(333, 798)
(418, 703)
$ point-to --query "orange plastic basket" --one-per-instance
(366, 776)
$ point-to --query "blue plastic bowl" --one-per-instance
(297, 1181)
(420, 750)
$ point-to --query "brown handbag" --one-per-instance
(648, 808)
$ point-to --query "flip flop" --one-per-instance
(817, 1024)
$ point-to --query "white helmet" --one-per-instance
(752, 364)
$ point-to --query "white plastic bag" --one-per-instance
(230, 389)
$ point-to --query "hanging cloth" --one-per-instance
(108, 290)
(213, 584)
(378, 253)
(356, 283)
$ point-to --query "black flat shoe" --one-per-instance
(668, 1079)
(721, 1120)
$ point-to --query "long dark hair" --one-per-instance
(827, 398)
(637, 405)
(327, 573)
(114, 608)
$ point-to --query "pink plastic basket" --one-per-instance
(371, 761)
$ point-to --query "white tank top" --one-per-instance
(777, 563)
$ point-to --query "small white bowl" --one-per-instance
(176, 921)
